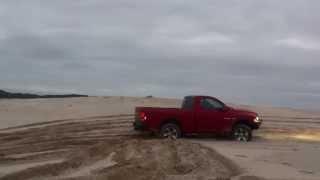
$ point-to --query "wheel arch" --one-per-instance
(242, 121)
(170, 120)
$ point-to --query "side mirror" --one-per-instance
(225, 108)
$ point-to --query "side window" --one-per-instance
(209, 103)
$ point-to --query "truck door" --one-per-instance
(210, 115)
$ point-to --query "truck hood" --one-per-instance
(245, 112)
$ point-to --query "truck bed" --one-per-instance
(158, 115)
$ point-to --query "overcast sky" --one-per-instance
(244, 51)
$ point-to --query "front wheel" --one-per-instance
(242, 132)
(171, 131)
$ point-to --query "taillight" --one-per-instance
(143, 116)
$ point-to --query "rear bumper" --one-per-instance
(139, 126)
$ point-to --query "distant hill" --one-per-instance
(9, 95)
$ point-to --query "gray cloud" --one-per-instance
(264, 52)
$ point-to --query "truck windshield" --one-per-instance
(187, 102)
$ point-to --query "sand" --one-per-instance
(93, 138)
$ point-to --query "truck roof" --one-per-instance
(199, 96)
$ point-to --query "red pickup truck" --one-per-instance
(198, 114)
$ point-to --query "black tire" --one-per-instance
(170, 130)
(242, 132)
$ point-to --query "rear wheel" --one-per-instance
(170, 130)
(242, 132)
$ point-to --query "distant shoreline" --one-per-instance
(9, 95)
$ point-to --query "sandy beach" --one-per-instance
(93, 138)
